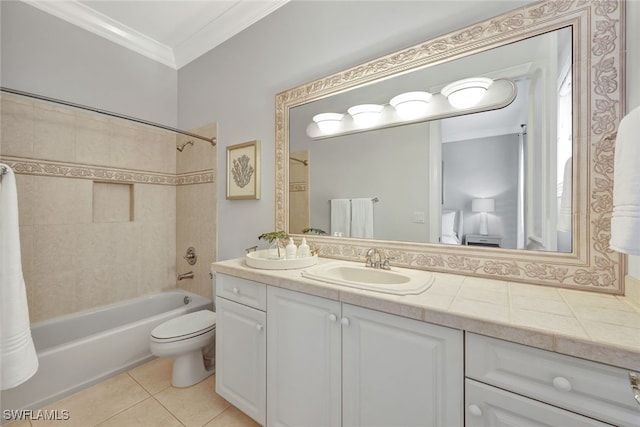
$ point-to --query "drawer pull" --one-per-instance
(634, 378)
(475, 410)
(333, 317)
(562, 384)
(259, 327)
(236, 290)
(345, 321)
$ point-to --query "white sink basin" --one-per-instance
(267, 259)
(398, 281)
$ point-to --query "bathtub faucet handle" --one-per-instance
(191, 256)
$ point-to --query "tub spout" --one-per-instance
(188, 275)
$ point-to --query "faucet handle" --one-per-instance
(385, 264)
(368, 257)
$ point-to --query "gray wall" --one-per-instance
(484, 168)
(45, 55)
(390, 164)
(236, 82)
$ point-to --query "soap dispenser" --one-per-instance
(291, 249)
(303, 249)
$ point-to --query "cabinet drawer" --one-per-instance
(488, 406)
(589, 388)
(247, 292)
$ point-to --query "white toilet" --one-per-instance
(184, 339)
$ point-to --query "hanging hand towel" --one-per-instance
(362, 218)
(18, 359)
(625, 221)
(341, 217)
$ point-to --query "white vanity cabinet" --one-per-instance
(333, 364)
(513, 384)
(241, 344)
(303, 360)
(399, 372)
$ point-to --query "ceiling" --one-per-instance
(171, 32)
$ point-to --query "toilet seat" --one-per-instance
(184, 327)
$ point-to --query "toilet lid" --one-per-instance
(187, 324)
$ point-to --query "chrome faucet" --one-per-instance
(188, 275)
(375, 260)
(371, 261)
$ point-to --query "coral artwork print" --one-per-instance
(242, 171)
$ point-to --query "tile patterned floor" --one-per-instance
(143, 397)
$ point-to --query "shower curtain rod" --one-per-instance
(108, 113)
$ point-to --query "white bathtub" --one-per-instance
(81, 349)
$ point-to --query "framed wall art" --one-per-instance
(243, 171)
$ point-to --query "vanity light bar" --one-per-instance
(328, 122)
(365, 115)
(410, 105)
(467, 92)
(495, 94)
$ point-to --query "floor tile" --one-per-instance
(194, 406)
(232, 417)
(97, 403)
(148, 413)
(154, 376)
(18, 423)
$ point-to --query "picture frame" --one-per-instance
(243, 171)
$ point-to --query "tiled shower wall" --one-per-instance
(196, 210)
(97, 201)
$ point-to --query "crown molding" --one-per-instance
(84, 17)
(234, 20)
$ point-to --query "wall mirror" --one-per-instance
(521, 192)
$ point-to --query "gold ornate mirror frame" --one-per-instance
(598, 105)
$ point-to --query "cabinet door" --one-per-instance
(241, 357)
(489, 406)
(303, 360)
(400, 372)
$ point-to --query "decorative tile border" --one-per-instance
(200, 177)
(104, 173)
(298, 186)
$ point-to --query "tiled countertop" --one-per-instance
(598, 327)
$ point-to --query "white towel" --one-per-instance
(341, 217)
(362, 218)
(564, 217)
(625, 221)
(18, 359)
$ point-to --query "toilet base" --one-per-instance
(188, 369)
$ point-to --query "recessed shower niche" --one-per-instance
(112, 202)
